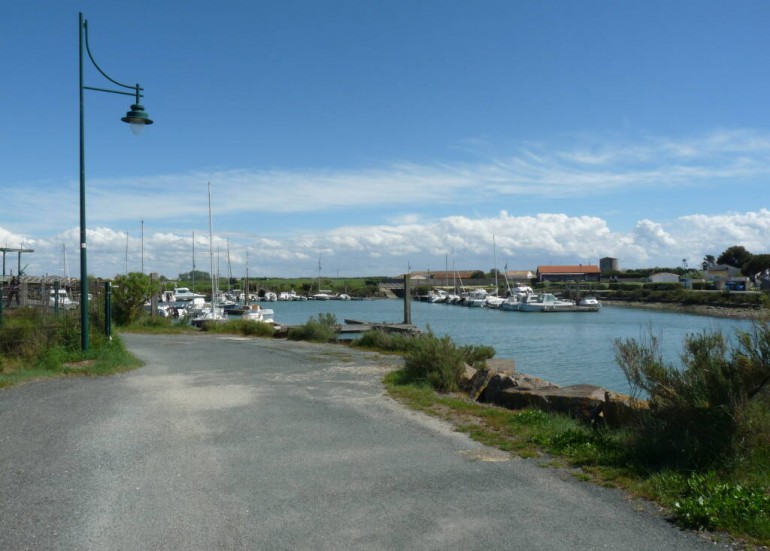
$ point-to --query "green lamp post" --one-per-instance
(138, 119)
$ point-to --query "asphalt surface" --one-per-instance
(248, 444)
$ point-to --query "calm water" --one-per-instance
(565, 348)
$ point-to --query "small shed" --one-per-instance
(664, 277)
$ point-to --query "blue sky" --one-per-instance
(379, 135)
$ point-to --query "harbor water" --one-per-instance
(564, 348)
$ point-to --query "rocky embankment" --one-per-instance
(499, 384)
(749, 313)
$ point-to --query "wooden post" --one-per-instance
(154, 298)
(407, 300)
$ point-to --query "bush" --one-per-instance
(695, 412)
(249, 328)
(323, 329)
(129, 293)
(477, 355)
(389, 342)
(436, 361)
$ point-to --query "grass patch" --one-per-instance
(733, 500)
(158, 325)
(107, 359)
(249, 328)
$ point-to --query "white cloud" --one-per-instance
(522, 241)
(383, 217)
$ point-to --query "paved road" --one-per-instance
(225, 443)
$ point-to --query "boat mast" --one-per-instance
(229, 267)
(211, 257)
(246, 285)
(494, 253)
(193, 259)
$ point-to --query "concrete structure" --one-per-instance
(663, 277)
(608, 264)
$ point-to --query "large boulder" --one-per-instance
(479, 383)
(466, 377)
(497, 383)
(621, 410)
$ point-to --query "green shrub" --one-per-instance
(477, 355)
(695, 411)
(436, 361)
(249, 328)
(390, 342)
(322, 329)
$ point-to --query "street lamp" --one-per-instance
(138, 119)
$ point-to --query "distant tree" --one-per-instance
(758, 263)
(196, 274)
(735, 256)
(477, 274)
(709, 262)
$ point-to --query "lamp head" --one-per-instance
(137, 118)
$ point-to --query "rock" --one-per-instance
(479, 382)
(620, 410)
(504, 366)
(528, 382)
(584, 402)
(467, 377)
(497, 383)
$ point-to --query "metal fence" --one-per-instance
(41, 311)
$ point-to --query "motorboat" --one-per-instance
(518, 294)
(546, 302)
(589, 304)
(61, 299)
(475, 299)
(185, 294)
(256, 313)
(436, 296)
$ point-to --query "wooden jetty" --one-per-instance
(357, 326)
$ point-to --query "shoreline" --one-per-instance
(700, 309)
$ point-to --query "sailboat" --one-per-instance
(214, 313)
(59, 298)
(320, 295)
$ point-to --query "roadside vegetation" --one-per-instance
(35, 344)
(701, 449)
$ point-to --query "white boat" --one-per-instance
(61, 300)
(475, 299)
(511, 303)
(185, 294)
(589, 304)
(320, 296)
(518, 294)
(256, 313)
(493, 301)
(546, 302)
(437, 296)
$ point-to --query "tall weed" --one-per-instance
(321, 329)
(696, 411)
